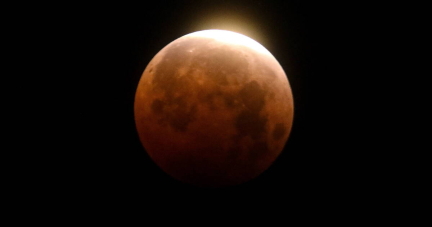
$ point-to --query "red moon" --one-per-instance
(213, 108)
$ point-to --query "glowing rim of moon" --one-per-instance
(231, 38)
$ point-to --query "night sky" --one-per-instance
(112, 44)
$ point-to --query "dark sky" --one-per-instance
(110, 46)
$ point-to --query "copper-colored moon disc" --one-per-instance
(213, 108)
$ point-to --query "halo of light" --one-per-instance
(231, 38)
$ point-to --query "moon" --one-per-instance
(213, 108)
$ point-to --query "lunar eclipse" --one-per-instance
(160, 106)
(213, 108)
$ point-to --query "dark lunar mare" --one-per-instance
(225, 73)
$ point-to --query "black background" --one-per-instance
(108, 46)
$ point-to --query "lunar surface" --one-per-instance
(213, 108)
